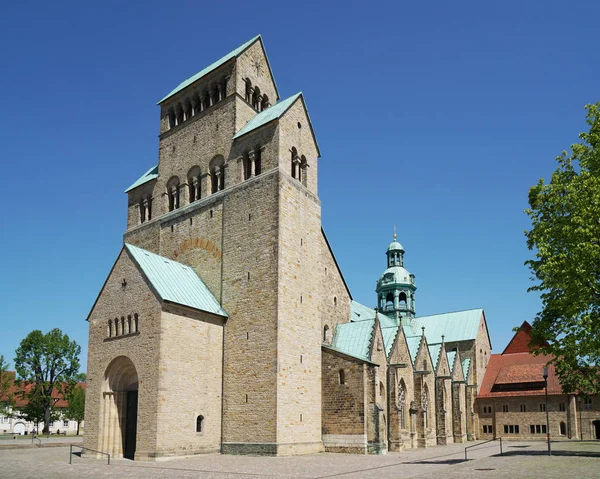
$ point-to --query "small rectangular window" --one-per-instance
(532, 429)
(505, 429)
(587, 404)
(517, 429)
(511, 429)
(561, 406)
(542, 407)
(523, 408)
(505, 408)
(66, 423)
(543, 428)
(538, 429)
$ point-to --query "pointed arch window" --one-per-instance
(402, 404)
(426, 406)
(194, 184)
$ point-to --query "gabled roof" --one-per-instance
(389, 335)
(213, 66)
(434, 352)
(520, 341)
(451, 355)
(150, 175)
(175, 282)
(455, 326)
(336, 263)
(413, 343)
(355, 339)
(268, 115)
(466, 365)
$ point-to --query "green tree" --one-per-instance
(50, 363)
(35, 409)
(6, 398)
(565, 235)
(76, 408)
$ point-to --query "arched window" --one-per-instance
(389, 302)
(199, 423)
(326, 334)
(256, 98)
(402, 403)
(264, 104)
(342, 376)
(402, 300)
(426, 406)
(563, 429)
(217, 173)
(335, 301)
(123, 331)
(188, 110)
(173, 193)
(194, 183)
(179, 114)
(116, 326)
(171, 118)
(294, 161)
(110, 329)
(135, 321)
(129, 330)
(303, 168)
(248, 90)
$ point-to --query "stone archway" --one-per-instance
(118, 426)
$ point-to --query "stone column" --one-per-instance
(252, 158)
(396, 299)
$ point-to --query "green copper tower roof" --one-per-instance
(213, 66)
(354, 338)
(150, 175)
(175, 282)
(268, 115)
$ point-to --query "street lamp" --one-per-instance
(547, 418)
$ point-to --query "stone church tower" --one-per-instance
(207, 333)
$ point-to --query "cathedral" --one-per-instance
(226, 325)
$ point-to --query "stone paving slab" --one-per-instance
(571, 460)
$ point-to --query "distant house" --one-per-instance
(16, 424)
(511, 402)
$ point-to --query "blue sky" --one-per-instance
(435, 117)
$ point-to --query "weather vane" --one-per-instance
(394, 232)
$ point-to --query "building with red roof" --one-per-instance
(512, 402)
(14, 423)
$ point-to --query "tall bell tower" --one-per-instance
(396, 286)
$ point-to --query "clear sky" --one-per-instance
(435, 117)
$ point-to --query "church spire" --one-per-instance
(396, 286)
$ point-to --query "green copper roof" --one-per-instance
(394, 275)
(389, 335)
(451, 358)
(395, 246)
(211, 67)
(354, 339)
(434, 352)
(413, 346)
(457, 326)
(360, 312)
(268, 115)
(175, 282)
(466, 365)
(151, 174)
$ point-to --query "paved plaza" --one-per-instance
(574, 460)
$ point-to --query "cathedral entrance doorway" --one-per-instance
(596, 425)
(120, 409)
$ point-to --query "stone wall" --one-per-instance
(103, 430)
(190, 382)
(344, 406)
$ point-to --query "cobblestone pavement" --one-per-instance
(574, 460)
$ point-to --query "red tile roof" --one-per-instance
(517, 372)
(21, 402)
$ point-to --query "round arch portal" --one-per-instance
(118, 428)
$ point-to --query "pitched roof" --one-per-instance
(213, 66)
(268, 115)
(175, 282)
(413, 343)
(150, 175)
(455, 326)
(434, 352)
(517, 372)
(451, 355)
(389, 335)
(466, 365)
(520, 341)
(15, 390)
(355, 338)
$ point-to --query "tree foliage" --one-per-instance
(76, 408)
(565, 235)
(50, 363)
(6, 398)
(35, 409)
